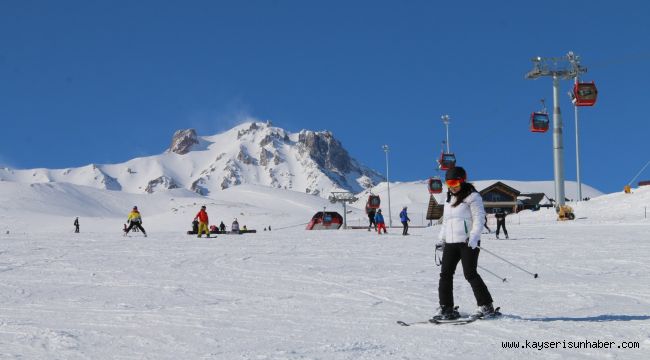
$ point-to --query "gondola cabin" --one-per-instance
(585, 94)
(373, 202)
(447, 161)
(325, 220)
(435, 185)
(539, 122)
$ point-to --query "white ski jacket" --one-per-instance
(464, 222)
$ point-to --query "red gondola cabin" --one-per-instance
(585, 94)
(373, 202)
(447, 161)
(539, 122)
(328, 220)
(435, 185)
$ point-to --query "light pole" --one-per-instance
(390, 220)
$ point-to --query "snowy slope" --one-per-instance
(250, 153)
(297, 294)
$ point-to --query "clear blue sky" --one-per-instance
(106, 81)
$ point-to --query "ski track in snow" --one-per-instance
(295, 294)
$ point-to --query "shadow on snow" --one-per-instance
(599, 318)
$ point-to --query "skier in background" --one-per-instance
(501, 222)
(486, 225)
(371, 219)
(76, 224)
(460, 236)
(202, 216)
(404, 218)
(379, 220)
(134, 220)
(222, 227)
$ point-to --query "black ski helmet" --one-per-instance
(456, 173)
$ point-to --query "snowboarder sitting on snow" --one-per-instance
(76, 225)
(379, 219)
(135, 221)
(404, 218)
(235, 227)
(222, 227)
(202, 216)
(195, 226)
(460, 235)
(501, 222)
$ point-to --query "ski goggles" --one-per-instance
(454, 182)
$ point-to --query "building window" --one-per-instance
(497, 197)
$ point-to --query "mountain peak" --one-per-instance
(253, 152)
(183, 140)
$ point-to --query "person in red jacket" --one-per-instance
(202, 216)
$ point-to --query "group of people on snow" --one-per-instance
(200, 224)
(203, 224)
(463, 219)
(376, 220)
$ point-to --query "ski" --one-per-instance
(460, 321)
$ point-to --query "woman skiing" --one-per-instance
(460, 234)
(134, 220)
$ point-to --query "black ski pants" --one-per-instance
(451, 254)
(502, 224)
(405, 227)
(372, 223)
(134, 224)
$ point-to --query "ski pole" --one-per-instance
(499, 257)
(486, 270)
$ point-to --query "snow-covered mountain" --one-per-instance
(250, 153)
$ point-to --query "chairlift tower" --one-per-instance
(343, 197)
(557, 68)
